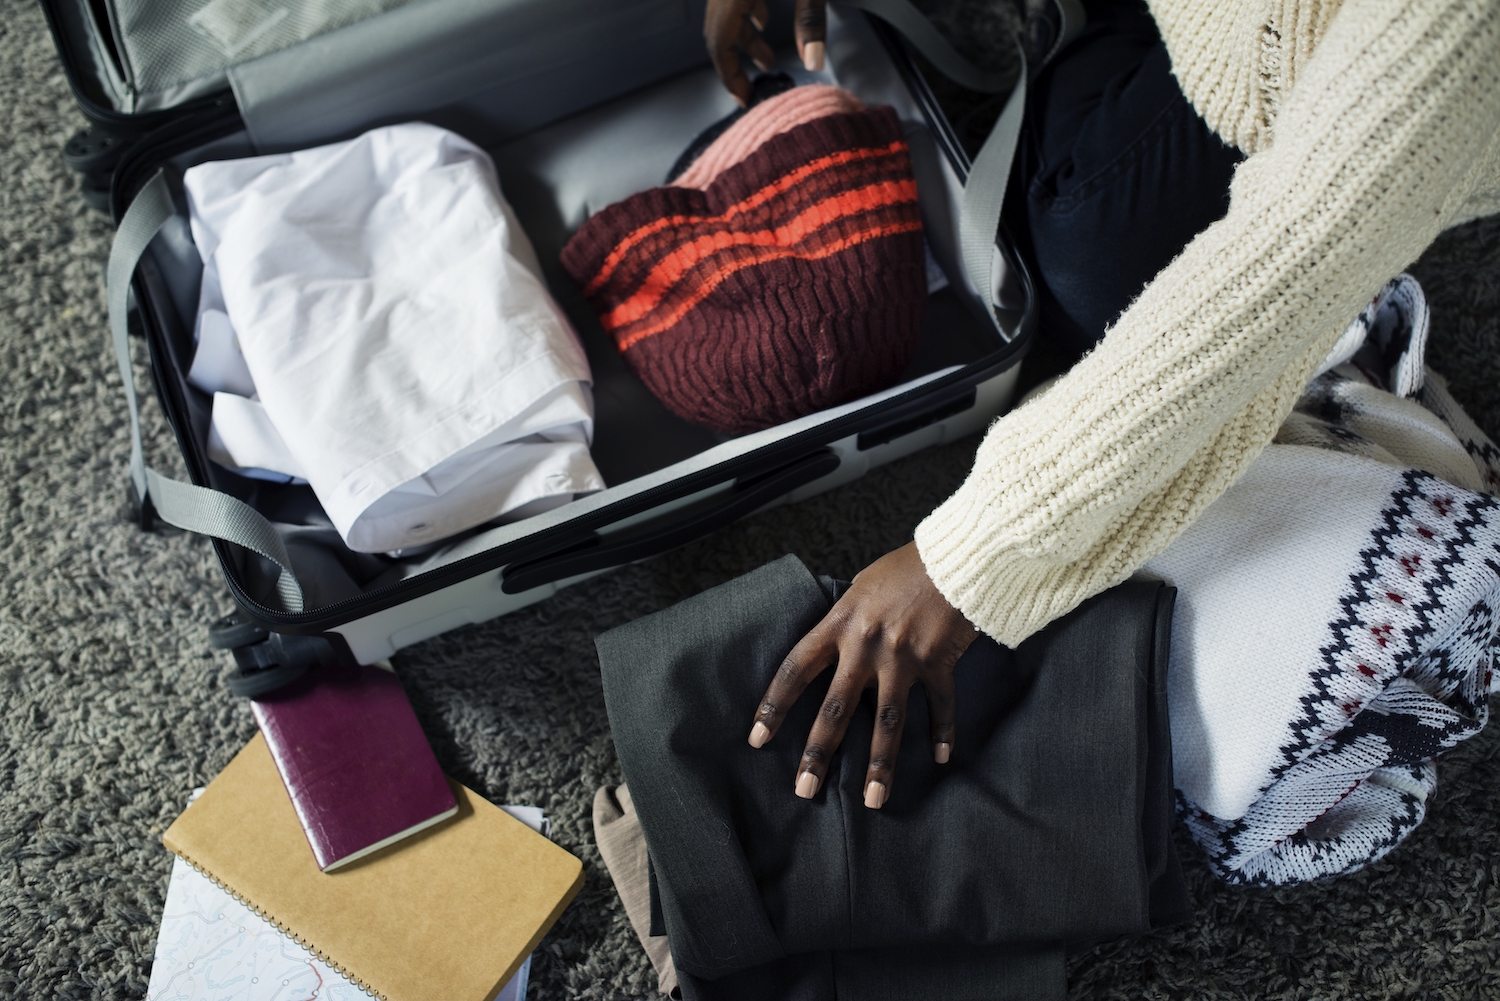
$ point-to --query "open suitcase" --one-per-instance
(580, 102)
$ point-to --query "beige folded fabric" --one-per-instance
(617, 831)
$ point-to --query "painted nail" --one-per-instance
(812, 56)
(940, 753)
(807, 785)
(759, 734)
(875, 795)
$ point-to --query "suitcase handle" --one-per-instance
(671, 530)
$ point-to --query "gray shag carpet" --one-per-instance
(111, 710)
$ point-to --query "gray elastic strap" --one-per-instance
(984, 197)
(190, 507)
(989, 174)
(1073, 20)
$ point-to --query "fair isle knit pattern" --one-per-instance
(1370, 129)
(1336, 625)
(795, 281)
(1371, 818)
(1404, 676)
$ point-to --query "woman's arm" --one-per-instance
(1374, 151)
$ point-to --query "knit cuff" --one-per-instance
(1007, 595)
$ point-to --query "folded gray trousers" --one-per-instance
(1048, 828)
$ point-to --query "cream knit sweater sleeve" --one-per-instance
(1377, 148)
(1235, 61)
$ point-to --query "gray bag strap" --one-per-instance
(989, 174)
(185, 505)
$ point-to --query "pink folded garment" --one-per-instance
(770, 117)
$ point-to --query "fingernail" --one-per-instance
(875, 795)
(940, 752)
(760, 24)
(759, 734)
(807, 785)
(812, 57)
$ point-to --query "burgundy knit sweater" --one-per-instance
(795, 281)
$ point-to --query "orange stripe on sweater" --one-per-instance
(769, 254)
(744, 205)
(661, 278)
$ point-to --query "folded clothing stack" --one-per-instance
(373, 321)
(1049, 826)
(1336, 623)
(782, 272)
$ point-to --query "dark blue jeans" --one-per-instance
(1116, 173)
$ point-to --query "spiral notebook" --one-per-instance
(211, 947)
(450, 913)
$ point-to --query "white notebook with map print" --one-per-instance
(211, 947)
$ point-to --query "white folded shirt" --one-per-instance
(384, 311)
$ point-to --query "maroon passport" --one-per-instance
(354, 759)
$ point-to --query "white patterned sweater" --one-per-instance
(1371, 125)
(1336, 623)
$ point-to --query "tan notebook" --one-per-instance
(448, 914)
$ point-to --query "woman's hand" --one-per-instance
(891, 629)
(731, 25)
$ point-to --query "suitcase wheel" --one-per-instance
(232, 631)
(266, 661)
(94, 151)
